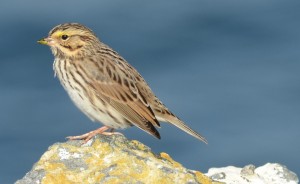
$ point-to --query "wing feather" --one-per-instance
(117, 85)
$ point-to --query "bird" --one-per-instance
(104, 86)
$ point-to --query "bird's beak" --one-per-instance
(45, 41)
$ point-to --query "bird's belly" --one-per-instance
(85, 98)
(97, 111)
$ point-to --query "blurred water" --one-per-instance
(230, 69)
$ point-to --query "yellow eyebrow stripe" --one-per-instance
(67, 32)
(58, 34)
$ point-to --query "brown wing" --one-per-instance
(161, 112)
(114, 82)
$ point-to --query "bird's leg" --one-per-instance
(87, 136)
(112, 132)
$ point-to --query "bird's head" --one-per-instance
(71, 40)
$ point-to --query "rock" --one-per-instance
(272, 173)
(114, 159)
(108, 159)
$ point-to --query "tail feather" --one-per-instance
(180, 124)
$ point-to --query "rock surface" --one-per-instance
(114, 159)
(108, 159)
(270, 173)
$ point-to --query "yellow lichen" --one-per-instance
(139, 145)
(54, 173)
(112, 162)
(167, 157)
(52, 178)
(202, 178)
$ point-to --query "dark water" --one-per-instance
(230, 69)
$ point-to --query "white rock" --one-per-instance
(270, 173)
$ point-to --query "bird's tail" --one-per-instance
(180, 124)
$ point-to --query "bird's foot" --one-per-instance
(87, 136)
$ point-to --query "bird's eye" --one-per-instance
(64, 37)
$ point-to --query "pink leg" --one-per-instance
(86, 137)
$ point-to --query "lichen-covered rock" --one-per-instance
(272, 173)
(108, 159)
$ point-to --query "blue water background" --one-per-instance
(230, 69)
